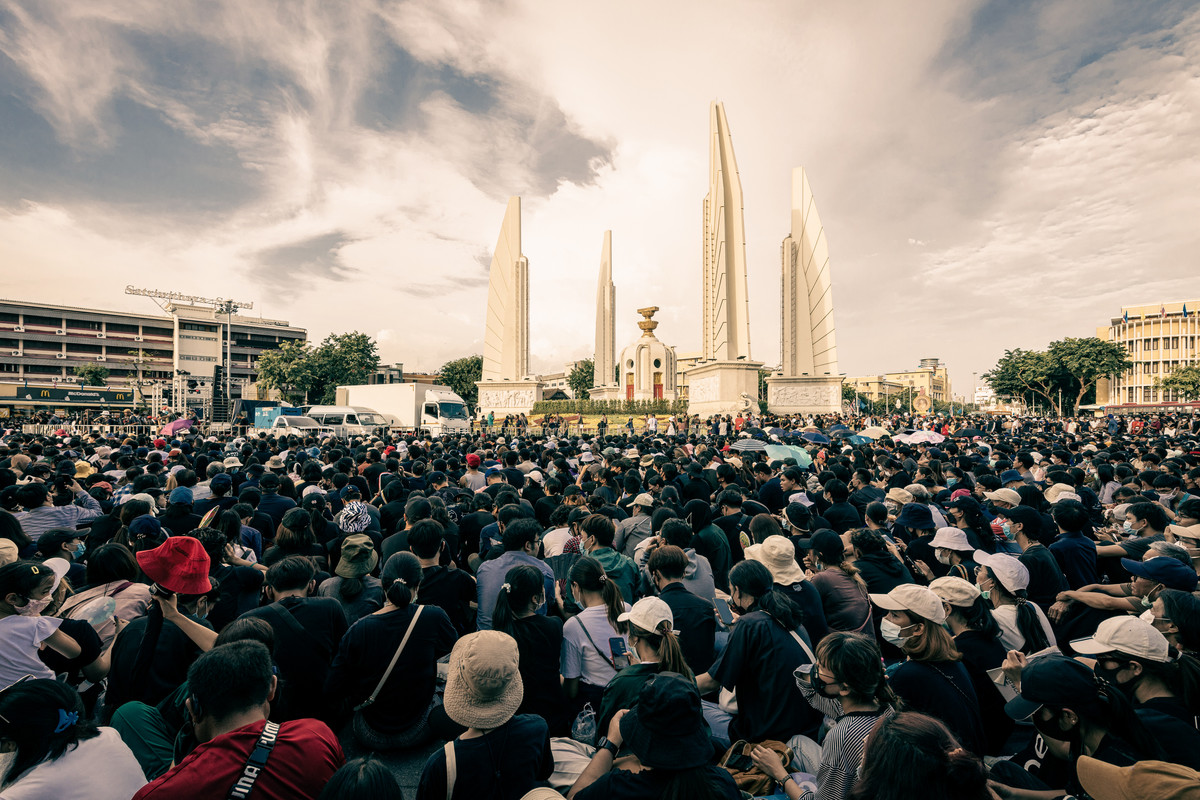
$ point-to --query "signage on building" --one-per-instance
(93, 397)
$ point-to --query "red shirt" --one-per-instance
(305, 755)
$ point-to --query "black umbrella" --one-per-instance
(969, 432)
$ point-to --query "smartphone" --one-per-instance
(160, 591)
(740, 762)
(620, 652)
(723, 610)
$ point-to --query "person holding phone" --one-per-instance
(587, 661)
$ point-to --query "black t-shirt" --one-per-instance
(503, 764)
(241, 588)
(1173, 726)
(758, 663)
(89, 644)
(368, 648)
(303, 656)
(539, 642)
(451, 590)
(650, 784)
(468, 531)
(1045, 578)
(173, 654)
(372, 473)
(696, 621)
(944, 690)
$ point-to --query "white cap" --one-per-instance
(920, 600)
(536, 476)
(645, 500)
(1011, 573)
(1009, 496)
(648, 614)
(1128, 635)
(955, 591)
(952, 539)
(60, 567)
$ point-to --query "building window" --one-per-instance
(121, 327)
(45, 322)
(192, 326)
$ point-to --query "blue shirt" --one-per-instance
(490, 577)
(1076, 556)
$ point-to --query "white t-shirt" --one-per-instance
(20, 639)
(101, 768)
(580, 659)
(555, 541)
(1010, 634)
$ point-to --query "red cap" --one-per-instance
(179, 564)
(472, 460)
(160, 443)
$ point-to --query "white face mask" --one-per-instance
(1147, 616)
(34, 608)
(942, 556)
(6, 762)
(892, 632)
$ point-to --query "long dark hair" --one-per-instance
(521, 585)
(1027, 618)
(754, 579)
(401, 579)
(910, 755)
(31, 711)
(855, 660)
(591, 577)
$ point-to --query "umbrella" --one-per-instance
(817, 438)
(839, 427)
(777, 431)
(921, 436)
(778, 452)
(754, 431)
(175, 427)
(811, 429)
(857, 439)
(840, 433)
(874, 433)
(749, 445)
(969, 432)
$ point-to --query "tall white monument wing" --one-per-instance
(604, 363)
(506, 338)
(808, 343)
(725, 330)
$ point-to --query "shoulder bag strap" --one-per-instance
(395, 657)
(255, 763)
(812, 659)
(611, 663)
(451, 769)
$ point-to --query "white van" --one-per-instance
(349, 421)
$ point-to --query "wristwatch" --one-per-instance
(606, 744)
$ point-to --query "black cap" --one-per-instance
(1056, 681)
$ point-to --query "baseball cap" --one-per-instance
(898, 495)
(1009, 496)
(920, 600)
(493, 471)
(952, 539)
(1022, 515)
(536, 476)
(472, 460)
(649, 614)
(181, 495)
(1128, 635)
(645, 499)
(1056, 681)
(1165, 570)
(1011, 573)
(1145, 780)
(955, 591)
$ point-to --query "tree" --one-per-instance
(342, 359)
(582, 378)
(1184, 381)
(287, 368)
(1085, 361)
(91, 374)
(461, 375)
(1025, 375)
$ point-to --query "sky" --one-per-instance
(990, 175)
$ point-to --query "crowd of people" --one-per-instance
(883, 608)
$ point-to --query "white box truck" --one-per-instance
(411, 406)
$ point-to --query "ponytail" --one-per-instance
(589, 574)
(1029, 624)
(521, 585)
(401, 579)
(399, 594)
(664, 642)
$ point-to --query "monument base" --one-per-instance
(508, 397)
(606, 393)
(804, 394)
(723, 387)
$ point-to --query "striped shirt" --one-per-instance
(37, 521)
(842, 749)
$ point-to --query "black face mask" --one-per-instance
(1051, 729)
(1109, 675)
(820, 685)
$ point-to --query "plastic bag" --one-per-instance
(96, 612)
(583, 729)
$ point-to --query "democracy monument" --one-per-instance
(724, 378)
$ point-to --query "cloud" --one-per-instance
(990, 174)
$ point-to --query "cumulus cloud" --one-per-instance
(347, 165)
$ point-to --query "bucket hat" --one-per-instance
(358, 557)
(778, 554)
(483, 687)
(665, 730)
(179, 564)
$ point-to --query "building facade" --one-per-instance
(1160, 337)
(42, 344)
(931, 378)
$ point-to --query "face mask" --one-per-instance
(819, 684)
(1050, 729)
(984, 593)
(1147, 616)
(6, 762)
(79, 551)
(1128, 528)
(892, 507)
(1109, 675)
(1008, 532)
(950, 482)
(943, 557)
(891, 631)
(34, 608)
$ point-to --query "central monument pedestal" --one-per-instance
(508, 397)
(804, 394)
(606, 393)
(723, 387)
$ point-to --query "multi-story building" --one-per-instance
(1160, 337)
(180, 351)
(930, 377)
